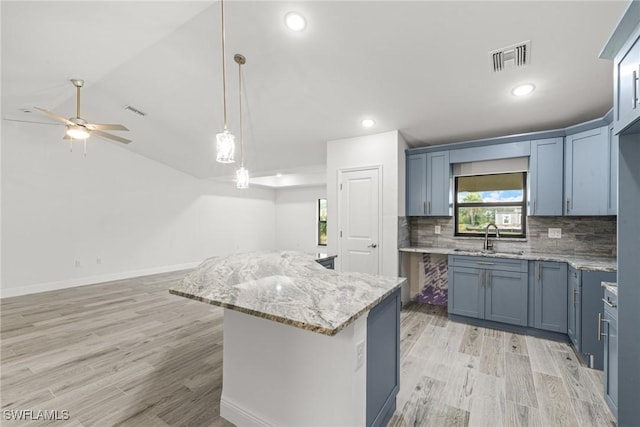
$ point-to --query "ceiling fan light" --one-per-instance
(242, 178)
(225, 147)
(77, 132)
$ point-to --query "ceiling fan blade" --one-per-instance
(94, 126)
(30, 121)
(54, 116)
(106, 135)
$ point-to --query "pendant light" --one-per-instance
(242, 175)
(225, 141)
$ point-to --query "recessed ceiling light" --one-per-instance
(295, 21)
(278, 175)
(523, 90)
(367, 123)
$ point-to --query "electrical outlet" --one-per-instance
(360, 355)
(437, 229)
(555, 233)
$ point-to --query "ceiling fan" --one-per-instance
(79, 128)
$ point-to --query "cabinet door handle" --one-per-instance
(488, 279)
(608, 303)
(538, 267)
(634, 81)
(600, 333)
(424, 207)
(429, 207)
(575, 291)
(534, 206)
(567, 205)
(481, 279)
(484, 263)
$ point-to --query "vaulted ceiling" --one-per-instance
(421, 67)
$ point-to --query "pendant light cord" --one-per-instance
(224, 76)
(240, 103)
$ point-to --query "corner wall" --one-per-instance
(70, 220)
(384, 150)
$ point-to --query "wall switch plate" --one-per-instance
(437, 229)
(360, 355)
(555, 233)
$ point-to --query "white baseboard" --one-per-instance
(91, 280)
(238, 415)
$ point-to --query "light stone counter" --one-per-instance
(611, 287)
(580, 263)
(286, 287)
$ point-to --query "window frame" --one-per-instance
(319, 222)
(522, 204)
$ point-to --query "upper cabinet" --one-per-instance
(587, 174)
(428, 184)
(627, 84)
(416, 203)
(545, 177)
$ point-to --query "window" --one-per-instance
(322, 222)
(491, 199)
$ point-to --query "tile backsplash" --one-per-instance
(583, 236)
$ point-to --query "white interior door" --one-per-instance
(360, 220)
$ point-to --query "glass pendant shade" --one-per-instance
(225, 147)
(242, 178)
(77, 132)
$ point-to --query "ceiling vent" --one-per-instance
(515, 56)
(134, 110)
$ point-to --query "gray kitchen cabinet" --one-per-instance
(587, 172)
(383, 360)
(416, 185)
(584, 304)
(546, 165)
(428, 186)
(438, 184)
(626, 92)
(609, 333)
(488, 288)
(550, 293)
(573, 306)
(612, 205)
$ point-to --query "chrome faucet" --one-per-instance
(488, 244)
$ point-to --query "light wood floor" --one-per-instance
(129, 353)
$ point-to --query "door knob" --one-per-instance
(373, 245)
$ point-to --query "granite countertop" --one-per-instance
(286, 287)
(579, 262)
(611, 287)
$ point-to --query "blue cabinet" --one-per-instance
(428, 185)
(587, 172)
(383, 360)
(550, 294)
(438, 184)
(626, 102)
(488, 288)
(609, 333)
(546, 166)
(416, 185)
(612, 205)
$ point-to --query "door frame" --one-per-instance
(379, 169)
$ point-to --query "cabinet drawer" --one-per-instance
(487, 263)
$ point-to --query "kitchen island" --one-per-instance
(303, 345)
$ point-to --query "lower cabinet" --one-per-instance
(584, 303)
(550, 296)
(609, 333)
(488, 288)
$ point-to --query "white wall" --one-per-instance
(374, 150)
(296, 211)
(136, 215)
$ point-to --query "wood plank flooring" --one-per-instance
(128, 353)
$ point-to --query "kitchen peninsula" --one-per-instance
(302, 344)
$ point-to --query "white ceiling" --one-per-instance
(420, 66)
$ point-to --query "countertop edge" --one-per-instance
(289, 322)
(574, 261)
